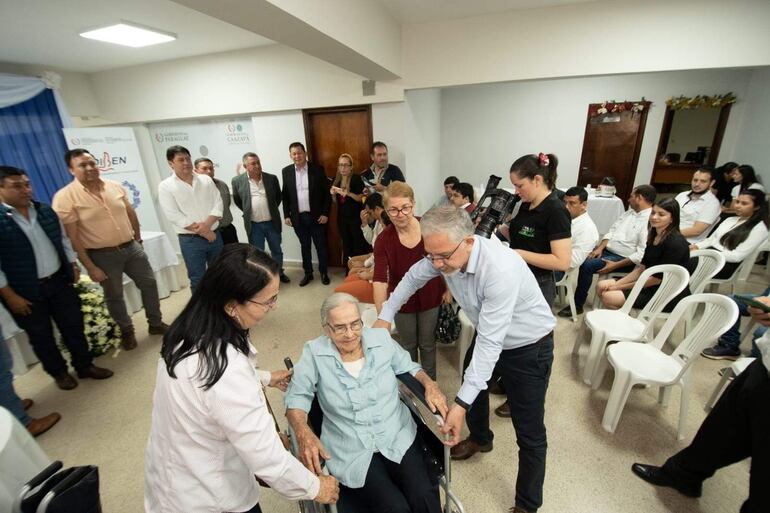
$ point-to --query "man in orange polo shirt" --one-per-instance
(104, 231)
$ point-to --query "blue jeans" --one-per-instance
(586, 275)
(8, 398)
(266, 231)
(732, 337)
(198, 254)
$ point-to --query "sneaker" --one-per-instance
(721, 353)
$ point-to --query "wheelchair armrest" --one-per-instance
(418, 391)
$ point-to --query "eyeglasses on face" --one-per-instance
(267, 305)
(443, 258)
(393, 211)
(341, 329)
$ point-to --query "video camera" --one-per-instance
(500, 206)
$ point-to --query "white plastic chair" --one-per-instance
(710, 262)
(645, 363)
(609, 325)
(566, 289)
(740, 275)
(730, 372)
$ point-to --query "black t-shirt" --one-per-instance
(673, 250)
(347, 207)
(534, 229)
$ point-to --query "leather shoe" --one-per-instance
(284, 278)
(468, 448)
(325, 279)
(518, 509)
(566, 312)
(496, 388)
(504, 410)
(128, 341)
(307, 279)
(95, 372)
(160, 329)
(39, 426)
(65, 381)
(27, 404)
(659, 477)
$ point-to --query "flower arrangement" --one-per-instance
(101, 332)
(700, 102)
(612, 106)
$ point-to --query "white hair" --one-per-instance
(335, 300)
(452, 221)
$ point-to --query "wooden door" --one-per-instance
(329, 133)
(611, 148)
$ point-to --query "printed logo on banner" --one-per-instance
(235, 135)
(106, 162)
(75, 141)
(172, 137)
(135, 194)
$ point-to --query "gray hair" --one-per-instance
(452, 221)
(335, 300)
(249, 155)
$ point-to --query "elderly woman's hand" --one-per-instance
(436, 400)
(280, 379)
(311, 450)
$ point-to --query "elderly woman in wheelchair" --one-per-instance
(368, 440)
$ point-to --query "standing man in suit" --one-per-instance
(258, 195)
(306, 204)
(381, 172)
(204, 166)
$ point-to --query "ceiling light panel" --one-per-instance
(129, 34)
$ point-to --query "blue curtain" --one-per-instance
(31, 138)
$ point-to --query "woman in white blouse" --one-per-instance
(739, 236)
(745, 178)
(211, 429)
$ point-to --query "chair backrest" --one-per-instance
(710, 262)
(570, 276)
(719, 314)
(675, 278)
(744, 270)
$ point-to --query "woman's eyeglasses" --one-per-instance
(341, 329)
(267, 305)
(393, 211)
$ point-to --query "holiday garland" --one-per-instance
(700, 102)
(612, 106)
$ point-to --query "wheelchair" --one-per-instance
(436, 454)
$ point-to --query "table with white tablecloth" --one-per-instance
(604, 211)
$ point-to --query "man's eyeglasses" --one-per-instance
(341, 329)
(443, 258)
(393, 211)
(267, 305)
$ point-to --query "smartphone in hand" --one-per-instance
(750, 301)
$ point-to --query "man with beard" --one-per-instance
(699, 207)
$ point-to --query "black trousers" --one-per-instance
(229, 235)
(737, 428)
(58, 300)
(525, 372)
(309, 230)
(353, 241)
(393, 487)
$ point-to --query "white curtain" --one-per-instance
(16, 89)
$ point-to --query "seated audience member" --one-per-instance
(446, 197)
(347, 192)
(381, 173)
(463, 196)
(723, 184)
(728, 347)
(212, 430)
(735, 429)
(699, 208)
(621, 248)
(373, 220)
(665, 245)
(737, 237)
(13, 403)
(745, 178)
(37, 272)
(585, 235)
(204, 166)
(369, 437)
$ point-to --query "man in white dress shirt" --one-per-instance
(193, 205)
(622, 247)
(699, 207)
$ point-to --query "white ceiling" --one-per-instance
(45, 32)
(418, 11)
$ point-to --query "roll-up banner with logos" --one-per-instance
(222, 141)
(119, 160)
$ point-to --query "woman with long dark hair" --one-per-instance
(744, 177)
(665, 245)
(347, 192)
(723, 183)
(211, 429)
(739, 236)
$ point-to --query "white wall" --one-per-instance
(263, 79)
(423, 118)
(593, 38)
(388, 127)
(751, 146)
(484, 128)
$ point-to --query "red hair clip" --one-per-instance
(543, 159)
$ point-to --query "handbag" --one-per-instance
(448, 324)
(61, 491)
